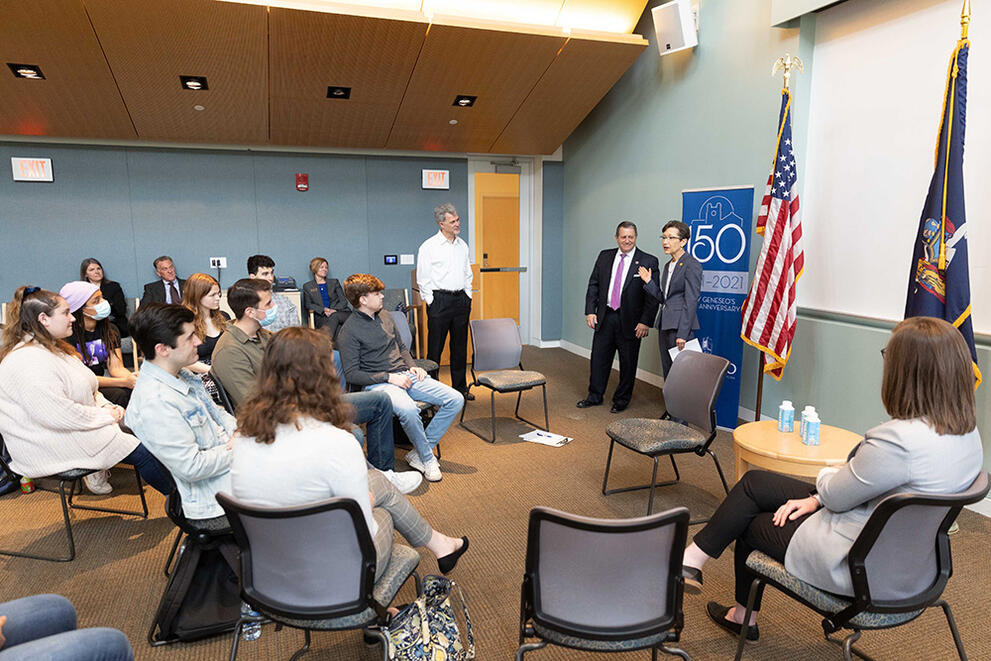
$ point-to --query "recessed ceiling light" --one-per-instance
(194, 83)
(199, 107)
(464, 100)
(338, 92)
(29, 71)
(453, 122)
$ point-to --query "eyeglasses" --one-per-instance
(665, 237)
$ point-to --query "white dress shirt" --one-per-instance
(442, 264)
(612, 272)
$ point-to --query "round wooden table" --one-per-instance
(761, 445)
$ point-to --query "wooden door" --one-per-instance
(497, 245)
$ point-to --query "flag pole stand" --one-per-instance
(760, 385)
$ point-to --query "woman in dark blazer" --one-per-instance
(91, 270)
(680, 285)
(324, 296)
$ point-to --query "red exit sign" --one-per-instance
(437, 179)
(31, 169)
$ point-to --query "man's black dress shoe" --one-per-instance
(692, 578)
(585, 403)
(616, 408)
(717, 614)
(469, 397)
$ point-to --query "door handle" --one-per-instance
(502, 269)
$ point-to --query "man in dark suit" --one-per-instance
(168, 288)
(620, 314)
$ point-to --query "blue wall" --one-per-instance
(552, 284)
(126, 206)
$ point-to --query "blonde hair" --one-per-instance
(197, 286)
(315, 264)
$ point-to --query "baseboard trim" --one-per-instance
(642, 374)
(548, 344)
(748, 415)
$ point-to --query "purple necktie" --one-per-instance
(617, 283)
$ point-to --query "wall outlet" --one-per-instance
(218, 262)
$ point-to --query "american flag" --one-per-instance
(770, 311)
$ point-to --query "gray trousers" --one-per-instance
(393, 512)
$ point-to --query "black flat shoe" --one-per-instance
(616, 408)
(693, 579)
(448, 562)
(469, 397)
(717, 613)
(586, 403)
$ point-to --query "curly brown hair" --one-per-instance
(297, 380)
(23, 324)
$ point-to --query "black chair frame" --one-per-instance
(857, 560)
(530, 610)
(275, 610)
(74, 480)
(701, 451)
(173, 509)
(225, 399)
(516, 412)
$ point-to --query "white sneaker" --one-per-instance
(97, 483)
(431, 470)
(413, 459)
(405, 482)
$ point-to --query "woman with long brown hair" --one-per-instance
(201, 295)
(931, 445)
(52, 415)
(293, 447)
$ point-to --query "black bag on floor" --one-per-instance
(202, 597)
(8, 481)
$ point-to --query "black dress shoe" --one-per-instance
(717, 613)
(692, 578)
(585, 403)
(447, 562)
(469, 397)
(617, 408)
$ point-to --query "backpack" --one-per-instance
(8, 481)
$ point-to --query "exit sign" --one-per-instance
(31, 169)
(437, 179)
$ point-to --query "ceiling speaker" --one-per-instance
(674, 25)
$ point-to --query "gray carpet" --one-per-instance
(487, 492)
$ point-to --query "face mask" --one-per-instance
(101, 311)
(269, 317)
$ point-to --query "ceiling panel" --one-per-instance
(150, 44)
(499, 67)
(620, 16)
(578, 78)
(310, 51)
(78, 97)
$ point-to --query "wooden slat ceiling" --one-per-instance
(112, 70)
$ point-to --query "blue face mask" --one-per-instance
(100, 311)
(269, 317)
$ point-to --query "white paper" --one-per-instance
(546, 438)
(690, 345)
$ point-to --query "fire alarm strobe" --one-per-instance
(302, 181)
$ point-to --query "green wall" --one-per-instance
(704, 118)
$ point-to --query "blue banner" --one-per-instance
(721, 222)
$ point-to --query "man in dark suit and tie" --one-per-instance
(620, 314)
(168, 288)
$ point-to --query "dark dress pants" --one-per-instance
(607, 340)
(449, 313)
(746, 517)
(667, 339)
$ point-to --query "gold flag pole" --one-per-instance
(964, 19)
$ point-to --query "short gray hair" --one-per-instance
(443, 210)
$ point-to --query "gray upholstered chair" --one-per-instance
(406, 334)
(687, 426)
(73, 480)
(603, 585)
(313, 567)
(496, 351)
(900, 564)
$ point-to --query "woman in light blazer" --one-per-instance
(931, 445)
(324, 296)
(680, 284)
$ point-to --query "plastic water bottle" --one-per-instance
(811, 435)
(805, 415)
(250, 630)
(786, 416)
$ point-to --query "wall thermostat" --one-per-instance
(391, 260)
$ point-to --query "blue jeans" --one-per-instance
(374, 409)
(44, 627)
(150, 469)
(404, 406)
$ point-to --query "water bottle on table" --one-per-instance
(786, 416)
(811, 435)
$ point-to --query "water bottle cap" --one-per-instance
(809, 409)
(786, 403)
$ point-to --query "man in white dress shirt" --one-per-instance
(443, 273)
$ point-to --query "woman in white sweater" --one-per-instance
(52, 416)
(292, 447)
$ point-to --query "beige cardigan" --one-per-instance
(51, 415)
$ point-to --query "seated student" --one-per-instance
(91, 270)
(168, 288)
(52, 415)
(238, 356)
(43, 626)
(97, 340)
(324, 297)
(931, 445)
(292, 447)
(286, 315)
(375, 357)
(174, 416)
(202, 296)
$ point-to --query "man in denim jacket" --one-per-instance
(175, 418)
